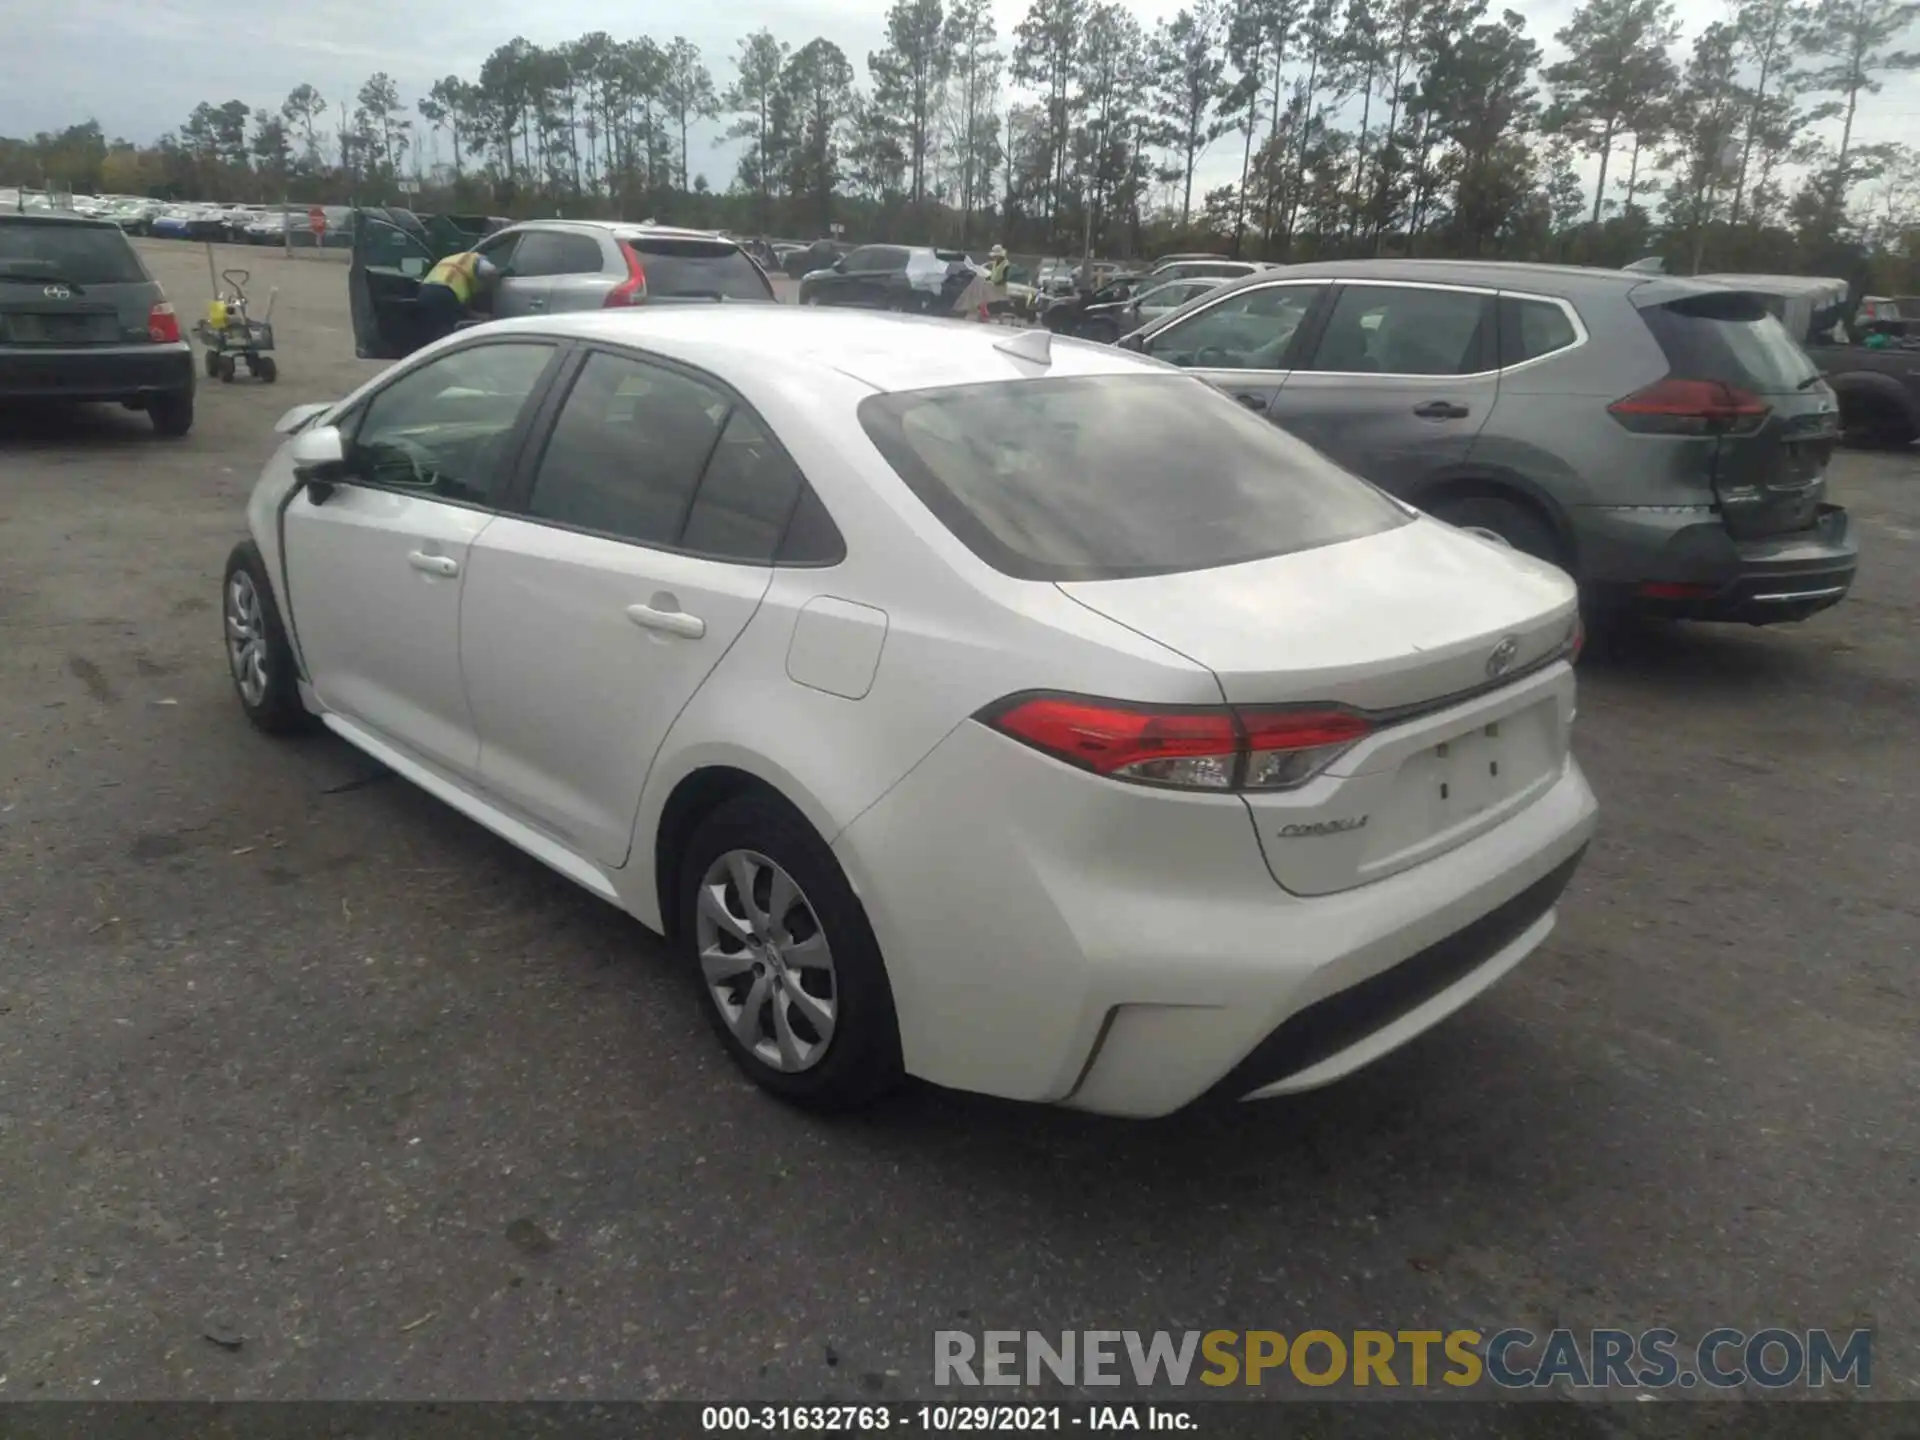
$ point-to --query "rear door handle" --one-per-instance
(673, 622)
(433, 564)
(1440, 410)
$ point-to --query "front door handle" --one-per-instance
(1251, 401)
(1440, 410)
(433, 564)
(672, 622)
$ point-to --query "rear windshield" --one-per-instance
(63, 250)
(1109, 476)
(1731, 338)
(699, 267)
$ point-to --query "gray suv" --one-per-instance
(1664, 440)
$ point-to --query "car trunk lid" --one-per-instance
(1774, 422)
(1447, 642)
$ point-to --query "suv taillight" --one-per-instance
(1690, 407)
(633, 289)
(1203, 748)
(163, 326)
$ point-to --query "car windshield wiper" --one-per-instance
(34, 277)
(1811, 381)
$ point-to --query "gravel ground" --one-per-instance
(311, 1088)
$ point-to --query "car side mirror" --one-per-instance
(319, 460)
(839, 264)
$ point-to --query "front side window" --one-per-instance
(1106, 476)
(444, 426)
(626, 453)
(1403, 330)
(1249, 330)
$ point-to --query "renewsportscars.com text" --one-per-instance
(1511, 1359)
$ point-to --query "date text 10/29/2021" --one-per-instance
(942, 1419)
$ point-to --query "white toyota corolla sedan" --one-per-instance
(1024, 716)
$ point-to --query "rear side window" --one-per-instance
(548, 252)
(1532, 328)
(746, 495)
(1107, 476)
(1731, 338)
(627, 451)
(711, 269)
(1404, 330)
(49, 250)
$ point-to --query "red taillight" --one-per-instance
(1690, 407)
(163, 326)
(633, 289)
(1673, 590)
(1212, 748)
(1286, 748)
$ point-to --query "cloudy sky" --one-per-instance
(139, 69)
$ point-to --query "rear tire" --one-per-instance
(212, 363)
(266, 369)
(228, 369)
(760, 836)
(1519, 525)
(259, 659)
(172, 413)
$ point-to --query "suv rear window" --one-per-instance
(1109, 476)
(64, 250)
(1730, 337)
(699, 267)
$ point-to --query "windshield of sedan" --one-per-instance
(1108, 476)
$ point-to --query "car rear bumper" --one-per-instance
(1676, 564)
(101, 372)
(1052, 936)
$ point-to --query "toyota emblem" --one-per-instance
(57, 292)
(1502, 658)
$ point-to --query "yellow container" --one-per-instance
(217, 314)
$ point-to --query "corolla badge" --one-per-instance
(1324, 827)
(1503, 656)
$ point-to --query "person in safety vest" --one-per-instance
(448, 292)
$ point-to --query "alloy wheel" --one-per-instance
(766, 961)
(246, 638)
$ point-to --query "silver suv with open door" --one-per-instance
(1664, 440)
(545, 267)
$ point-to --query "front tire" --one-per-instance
(788, 970)
(259, 659)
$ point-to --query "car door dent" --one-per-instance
(836, 647)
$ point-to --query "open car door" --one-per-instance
(392, 251)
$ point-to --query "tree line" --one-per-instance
(1378, 127)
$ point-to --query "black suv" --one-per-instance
(81, 319)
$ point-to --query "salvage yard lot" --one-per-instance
(295, 1057)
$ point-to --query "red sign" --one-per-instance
(317, 220)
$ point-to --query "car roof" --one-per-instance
(627, 227)
(883, 351)
(55, 217)
(1556, 280)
